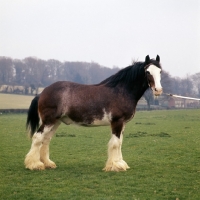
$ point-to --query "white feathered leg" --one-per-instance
(125, 165)
(32, 160)
(44, 150)
(115, 160)
(38, 156)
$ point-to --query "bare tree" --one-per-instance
(166, 82)
(148, 95)
(196, 83)
(6, 70)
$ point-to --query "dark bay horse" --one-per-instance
(111, 102)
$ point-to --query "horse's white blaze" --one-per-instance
(155, 72)
(107, 117)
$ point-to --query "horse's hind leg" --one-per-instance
(38, 156)
(44, 150)
(32, 160)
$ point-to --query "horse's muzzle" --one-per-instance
(157, 91)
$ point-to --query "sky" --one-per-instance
(111, 33)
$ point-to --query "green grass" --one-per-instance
(161, 147)
(14, 101)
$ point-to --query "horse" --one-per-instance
(110, 102)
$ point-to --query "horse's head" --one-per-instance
(153, 74)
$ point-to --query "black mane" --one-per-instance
(128, 75)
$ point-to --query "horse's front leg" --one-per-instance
(115, 160)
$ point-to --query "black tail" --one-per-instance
(32, 121)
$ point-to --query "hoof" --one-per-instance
(50, 165)
(35, 166)
(116, 166)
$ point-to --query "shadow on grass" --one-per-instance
(65, 135)
(145, 134)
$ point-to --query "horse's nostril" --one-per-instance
(158, 90)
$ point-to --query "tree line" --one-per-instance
(40, 72)
(34, 73)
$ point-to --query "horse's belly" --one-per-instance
(104, 121)
(91, 121)
(98, 122)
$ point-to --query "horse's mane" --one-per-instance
(128, 75)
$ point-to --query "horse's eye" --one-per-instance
(148, 72)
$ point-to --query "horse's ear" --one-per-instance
(158, 58)
(147, 59)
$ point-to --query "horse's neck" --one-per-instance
(137, 91)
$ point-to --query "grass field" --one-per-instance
(9, 101)
(161, 147)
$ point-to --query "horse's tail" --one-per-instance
(33, 119)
